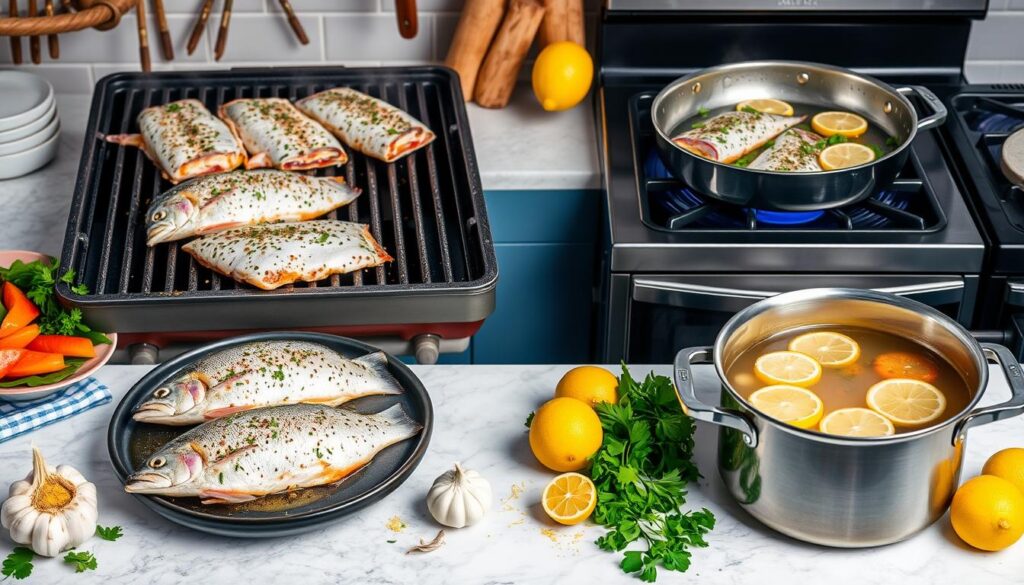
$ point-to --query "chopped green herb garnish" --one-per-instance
(703, 112)
(18, 564)
(83, 561)
(697, 125)
(111, 534)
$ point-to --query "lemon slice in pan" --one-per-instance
(767, 106)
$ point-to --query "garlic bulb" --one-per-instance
(51, 510)
(459, 497)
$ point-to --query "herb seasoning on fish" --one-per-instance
(278, 135)
(269, 450)
(265, 373)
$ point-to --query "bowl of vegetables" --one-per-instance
(44, 347)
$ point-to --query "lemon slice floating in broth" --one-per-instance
(845, 124)
(787, 367)
(830, 349)
(792, 405)
(907, 402)
(856, 422)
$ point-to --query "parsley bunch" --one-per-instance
(37, 280)
(641, 472)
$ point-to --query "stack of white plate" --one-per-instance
(29, 125)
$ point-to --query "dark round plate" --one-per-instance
(129, 443)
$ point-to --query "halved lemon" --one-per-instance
(828, 348)
(792, 405)
(767, 106)
(907, 402)
(856, 422)
(787, 367)
(570, 498)
(845, 124)
(845, 155)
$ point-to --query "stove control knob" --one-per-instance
(426, 348)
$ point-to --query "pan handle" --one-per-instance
(938, 115)
(1012, 407)
(694, 407)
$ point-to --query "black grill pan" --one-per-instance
(427, 210)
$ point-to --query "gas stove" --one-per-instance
(677, 265)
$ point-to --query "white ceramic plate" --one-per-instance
(23, 98)
(32, 141)
(23, 163)
(30, 128)
(103, 352)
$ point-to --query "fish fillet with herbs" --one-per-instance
(367, 124)
(796, 150)
(268, 256)
(217, 202)
(185, 140)
(266, 451)
(280, 136)
(730, 135)
(266, 373)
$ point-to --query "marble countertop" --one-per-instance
(520, 147)
(479, 421)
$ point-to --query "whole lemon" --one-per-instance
(1007, 464)
(564, 432)
(562, 75)
(590, 384)
(988, 513)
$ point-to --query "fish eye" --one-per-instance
(157, 216)
(157, 462)
(162, 392)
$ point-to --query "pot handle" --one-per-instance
(1012, 407)
(726, 417)
(938, 115)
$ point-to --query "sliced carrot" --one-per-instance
(66, 345)
(20, 338)
(20, 310)
(8, 357)
(36, 362)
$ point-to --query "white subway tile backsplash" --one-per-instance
(192, 6)
(426, 5)
(301, 6)
(999, 37)
(375, 37)
(444, 30)
(63, 78)
(262, 38)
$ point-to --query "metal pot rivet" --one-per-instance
(803, 78)
(696, 87)
(887, 108)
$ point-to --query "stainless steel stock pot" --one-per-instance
(844, 491)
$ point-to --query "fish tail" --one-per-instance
(397, 416)
(340, 183)
(377, 362)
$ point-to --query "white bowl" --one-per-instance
(30, 142)
(30, 128)
(23, 98)
(22, 163)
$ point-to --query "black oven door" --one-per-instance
(669, 312)
(1013, 325)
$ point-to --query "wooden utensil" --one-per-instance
(51, 40)
(222, 34)
(405, 11)
(165, 34)
(199, 26)
(497, 77)
(479, 21)
(293, 20)
(140, 17)
(563, 21)
(12, 10)
(33, 41)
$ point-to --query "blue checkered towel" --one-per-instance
(18, 418)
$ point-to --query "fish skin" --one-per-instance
(216, 202)
(269, 450)
(266, 373)
(277, 134)
(268, 256)
(185, 140)
(730, 135)
(788, 153)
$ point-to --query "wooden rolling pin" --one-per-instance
(563, 21)
(498, 74)
(479, 21)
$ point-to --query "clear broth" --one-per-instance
(848, 386)
(874, 138)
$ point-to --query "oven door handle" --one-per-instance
(713, 298)
(1015, 294)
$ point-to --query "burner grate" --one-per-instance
(670, 204)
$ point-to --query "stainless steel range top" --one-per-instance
(659, 224)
